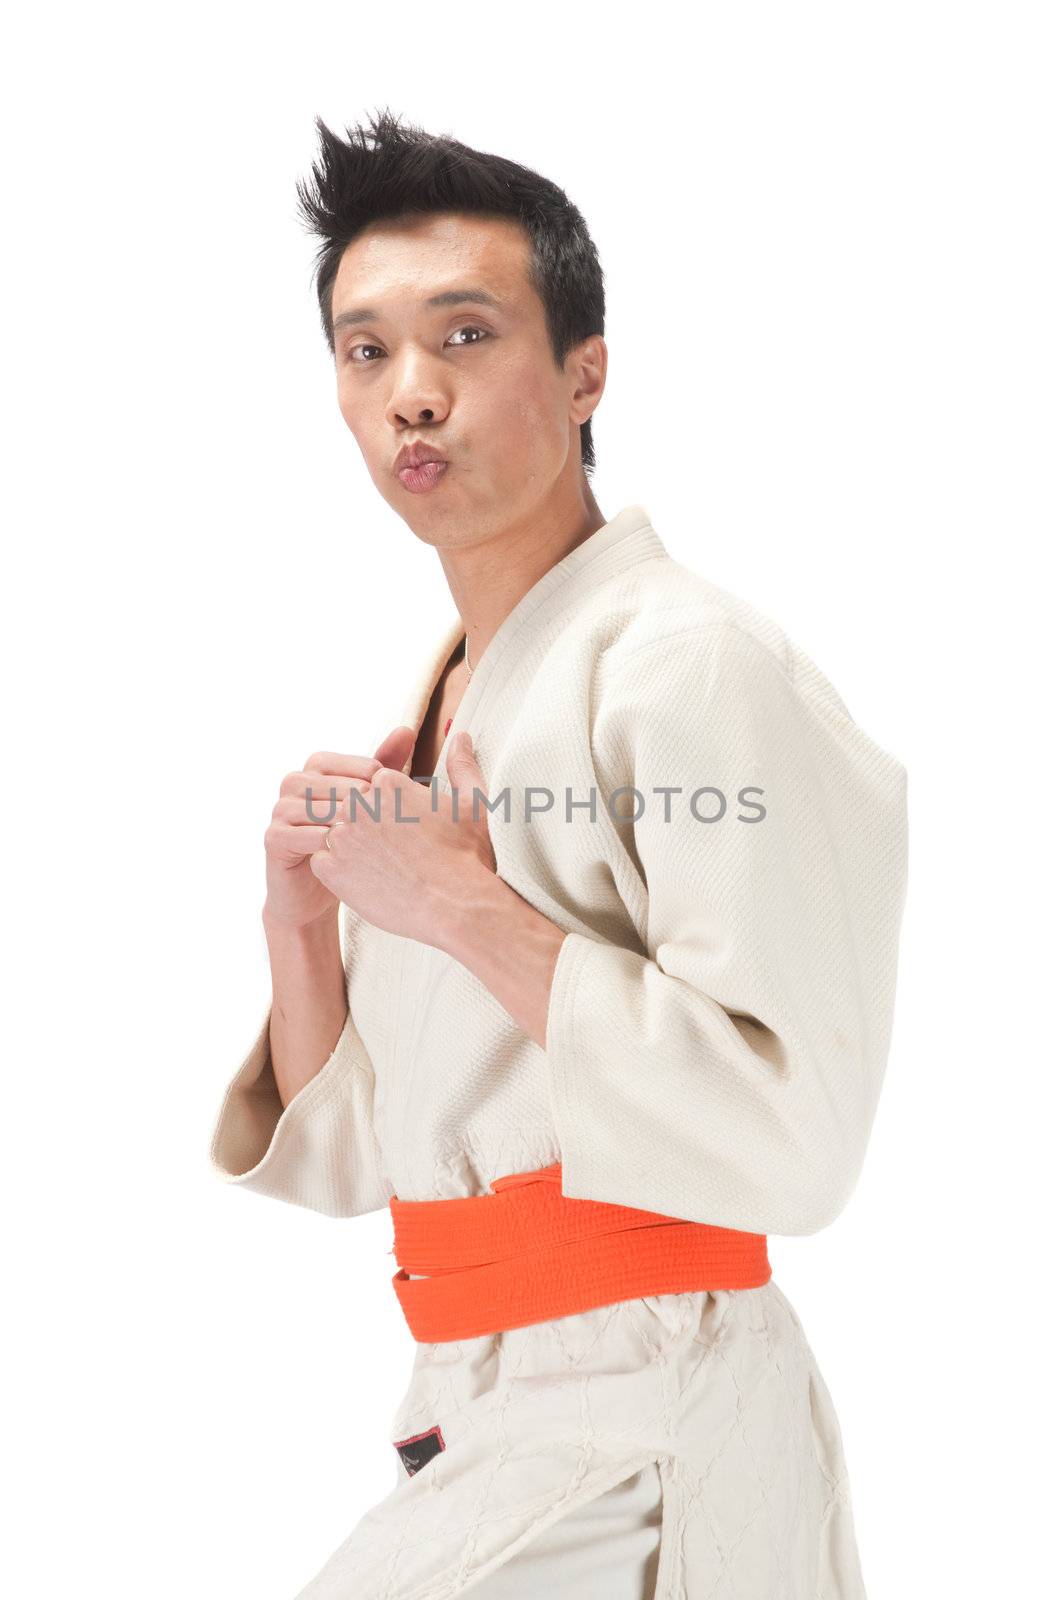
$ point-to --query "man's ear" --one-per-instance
(589, 363)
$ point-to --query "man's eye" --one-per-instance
(471, 328)
(365, 361)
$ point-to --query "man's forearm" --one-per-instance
(309, 999)
(509, 945)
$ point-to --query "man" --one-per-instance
(620, 895)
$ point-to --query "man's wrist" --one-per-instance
(489, 913)
(321, 931)
(483, 898)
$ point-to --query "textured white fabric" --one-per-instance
(720, 1389)
(722, 1003)
(607, 1549)
(718, 1029)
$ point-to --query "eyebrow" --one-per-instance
(448, 297)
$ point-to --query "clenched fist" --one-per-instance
(295, 896)
(411, 864)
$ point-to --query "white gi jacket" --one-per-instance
(718, 1029)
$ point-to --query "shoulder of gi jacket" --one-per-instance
(775, 888)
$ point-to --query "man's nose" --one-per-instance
(418, 396)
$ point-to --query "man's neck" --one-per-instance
(487, 579)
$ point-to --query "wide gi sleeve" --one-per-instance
(728, 1072)
(318, 1151)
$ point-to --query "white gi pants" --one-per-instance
(670, 1447)
(606, 1550)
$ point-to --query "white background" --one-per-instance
(831, 238)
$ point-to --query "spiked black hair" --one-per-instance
(387, 170)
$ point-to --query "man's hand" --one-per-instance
(295, 896)
(414, 878)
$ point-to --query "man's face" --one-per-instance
(476, 381)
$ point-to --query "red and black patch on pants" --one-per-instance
(417, 1451)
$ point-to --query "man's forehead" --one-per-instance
(398, 260)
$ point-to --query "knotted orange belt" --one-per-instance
(527, 1253)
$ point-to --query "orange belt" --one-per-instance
(527, 1253)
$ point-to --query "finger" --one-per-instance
(395, 748)
(322, 809)
(331, 763)
(285, 839)
(463, 769)
(323, 787)
(324, 860)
